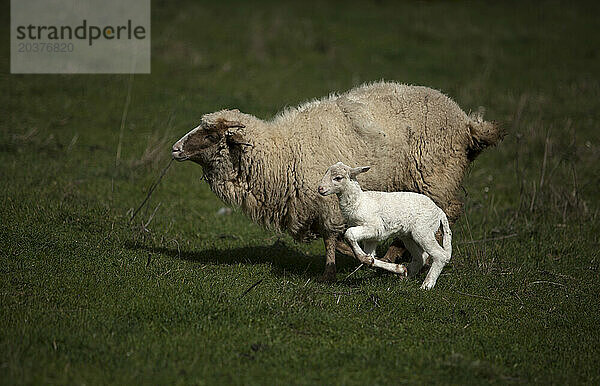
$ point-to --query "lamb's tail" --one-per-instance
(483, 134)
(447, 235)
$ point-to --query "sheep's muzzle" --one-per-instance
(178, 153)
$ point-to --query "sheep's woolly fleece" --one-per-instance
(414, 138)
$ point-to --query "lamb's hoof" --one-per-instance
(367, 259)
(402, 271)
(427, 286)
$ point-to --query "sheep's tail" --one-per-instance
(447, 234)
(483, 134)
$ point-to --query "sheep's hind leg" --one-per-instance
(395, 250)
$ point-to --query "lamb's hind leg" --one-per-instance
(439, 257)
(419, 257)
(370, 246)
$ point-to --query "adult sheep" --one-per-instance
(414, 138)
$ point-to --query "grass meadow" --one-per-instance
(187, 296)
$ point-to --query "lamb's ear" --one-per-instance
(234, 139)
(356, 171)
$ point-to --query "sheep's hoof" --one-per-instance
(328, 276)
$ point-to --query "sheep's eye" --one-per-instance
(210, 137)
(338, 178)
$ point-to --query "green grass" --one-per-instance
(86, 298)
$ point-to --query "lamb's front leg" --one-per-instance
(356, 234)
(419, 257)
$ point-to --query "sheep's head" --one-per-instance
(337, 178)
(214, 133)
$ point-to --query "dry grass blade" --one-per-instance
(152, 216)
(489, 239)
(251, 288)
(353, 272)
(543, 172)
(124, 118)
(546, 282)
(162, 174)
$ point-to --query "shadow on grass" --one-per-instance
(284, 260)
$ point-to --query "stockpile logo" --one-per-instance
(80, 36)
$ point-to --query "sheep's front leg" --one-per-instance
(330, 243)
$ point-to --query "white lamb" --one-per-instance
(377, 216)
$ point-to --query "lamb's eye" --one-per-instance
(210, 137)
(338, 178)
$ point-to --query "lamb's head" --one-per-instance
(337, 178)
(216, 132)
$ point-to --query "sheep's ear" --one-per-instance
(356, 171)
(235, 139)
(222, 125)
